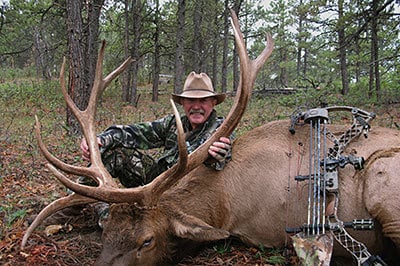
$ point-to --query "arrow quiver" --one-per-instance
(323, 179)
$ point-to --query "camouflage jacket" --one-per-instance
(162, 133)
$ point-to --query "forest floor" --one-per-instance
(26, 186)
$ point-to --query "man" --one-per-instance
(120, 145)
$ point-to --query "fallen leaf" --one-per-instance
(53, 229)
(25, 255)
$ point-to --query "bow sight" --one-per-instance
(323, 180)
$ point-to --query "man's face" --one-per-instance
(198, 110)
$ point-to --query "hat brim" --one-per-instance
(198, 94)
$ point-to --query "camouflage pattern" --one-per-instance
(313, 250)
(121, 145)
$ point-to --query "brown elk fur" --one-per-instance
(250, 199)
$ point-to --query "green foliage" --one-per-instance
(10, 215)
(8, 74)
(30, 92)
(22, 98)
(15, 215)
(276, 260)
(31, 29)
(222, 247)
(265, 255)
(305, 35)
(310, 98)
(270, 256)
(391, 88)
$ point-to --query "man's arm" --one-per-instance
(145, 135)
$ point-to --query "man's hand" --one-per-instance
(220, 149)
(85, 149)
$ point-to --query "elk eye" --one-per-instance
(147, 242)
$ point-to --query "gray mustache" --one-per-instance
(196, 111)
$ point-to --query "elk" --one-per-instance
(190, 203)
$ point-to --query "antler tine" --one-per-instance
(71, 200)
(168, 178)
(96, 170)
(262, 58)
(183, 153)
(86, 120)
(76, 170)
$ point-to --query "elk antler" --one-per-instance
(96, 170)
(149, 194)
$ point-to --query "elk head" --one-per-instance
(147, 226)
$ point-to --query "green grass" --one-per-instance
(222, 247)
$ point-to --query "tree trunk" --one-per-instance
(235, 59)
(135, 53)
(197, 36)
(342, 50)
(235, 69)
(299, 41)
(358, 50)
(305, 61)
(375, 48)
(42, 58)
(76, 74)
(283, 76)
(180, 43)
(126, 75)
(156, 63)
(82, 46)
(215, 66)
(224, 74)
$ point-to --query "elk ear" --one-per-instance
(190, 227)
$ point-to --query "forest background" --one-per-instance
(326, 52)
(348, 48)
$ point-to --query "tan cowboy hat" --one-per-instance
(198, 86)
